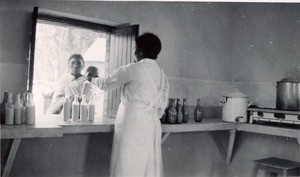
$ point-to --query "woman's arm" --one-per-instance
(116, 80)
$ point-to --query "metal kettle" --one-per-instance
(235, 107)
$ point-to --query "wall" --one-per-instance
(208, 49)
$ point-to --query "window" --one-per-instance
(56, 35)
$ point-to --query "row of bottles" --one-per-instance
(21, 111)
(79, 110)
(179, 113)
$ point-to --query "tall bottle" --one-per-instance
(9, 111)
(75, 109)
(18, 110)
(66, 109)
(83, 109)
(177, 103)
(179, 112)
(30, 110)
(185, 111)
(23, 101)
(164, 118)
(172, 113)
(198, 112)
(91, 109)
(2, 107)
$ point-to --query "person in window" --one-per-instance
(137, 134)
(69, 85)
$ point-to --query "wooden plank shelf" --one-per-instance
(53, 126)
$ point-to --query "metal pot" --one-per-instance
(235, 107)
(288, 95)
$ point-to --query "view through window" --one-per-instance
(55, 43)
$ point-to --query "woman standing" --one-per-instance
(144, 94)
(69, 85)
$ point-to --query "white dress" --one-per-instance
(67, 86)
(137, 135)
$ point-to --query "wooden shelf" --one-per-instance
(269, 130)
(53, 126)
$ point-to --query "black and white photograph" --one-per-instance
(150, 88)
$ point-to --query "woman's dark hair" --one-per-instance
(76, 56)
(149, 44)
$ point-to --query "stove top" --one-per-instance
(274, 115)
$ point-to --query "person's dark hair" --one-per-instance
(76, 56)
(92, 71)
(149, 44)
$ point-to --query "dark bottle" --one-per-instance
(177, 103)
(185, 111)
(164, 118)
(179, 112)
(172, 113)
(198, 113)
(5, 99)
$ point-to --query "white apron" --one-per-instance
(137, 138)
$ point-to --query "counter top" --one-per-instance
(53, 126)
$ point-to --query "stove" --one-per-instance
(274, 115)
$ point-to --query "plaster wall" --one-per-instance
(208, 49)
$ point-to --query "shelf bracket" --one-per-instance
(165, 136)
(230, 146)
(220, 142)
(12, 151)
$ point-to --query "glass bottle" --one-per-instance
(185, 111)
(164, 118)
(83, 109)
(75, 109)
(172, 113)
(177, 103)
(9, 110)
(198, 112)
(2, 106)
(91, 109)
(23, 101)
(179, 112)
(30, 110)
(18, 110)
(66, 109)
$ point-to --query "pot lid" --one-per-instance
(290, 80)
(236, 94)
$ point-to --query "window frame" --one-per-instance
(122, 32)
(65, 18)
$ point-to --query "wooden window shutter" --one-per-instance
(121, 52)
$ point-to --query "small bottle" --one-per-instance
(9, 111)
(179, 112)
(30, 110)
(91, 109)
(2, 107)
(177, 103)
(66, 109)
(198, 112)
(75, 109)
(18, 110)
(164, 118)
(185, 111)
(83, 109)
(172, 113)
(24, 100)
